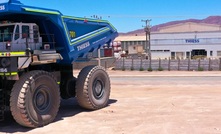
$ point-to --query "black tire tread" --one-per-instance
(82, 95)
(17, 99)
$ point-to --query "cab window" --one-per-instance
(6, 33)
(36, 34)
(25, 32)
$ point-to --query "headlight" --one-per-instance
(8, 45)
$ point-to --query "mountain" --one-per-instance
(209, 20)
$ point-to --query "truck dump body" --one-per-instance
(72, 37)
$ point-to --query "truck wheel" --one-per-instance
(35, 99)
(93, 87)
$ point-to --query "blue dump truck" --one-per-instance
(37, 49)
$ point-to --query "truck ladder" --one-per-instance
(2, 105)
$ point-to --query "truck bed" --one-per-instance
(73, 37)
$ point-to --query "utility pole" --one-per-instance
(147, 29)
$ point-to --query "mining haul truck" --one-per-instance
(37, 49)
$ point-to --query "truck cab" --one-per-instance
(19, 37)
(21, 46)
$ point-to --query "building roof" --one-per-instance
(190, 27)
(130, 38)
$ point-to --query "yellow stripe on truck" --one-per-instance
(3, 54)
(8, 74)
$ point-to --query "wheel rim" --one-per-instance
(98, 89)
(41, 99)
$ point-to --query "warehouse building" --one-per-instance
(184, 40)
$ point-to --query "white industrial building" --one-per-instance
(182, 41)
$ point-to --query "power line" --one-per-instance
(146, 16)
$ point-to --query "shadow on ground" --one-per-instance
(68, 108)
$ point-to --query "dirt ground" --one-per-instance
(144, 103)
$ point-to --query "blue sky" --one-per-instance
(126, 15)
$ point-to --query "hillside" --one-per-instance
(209, 20)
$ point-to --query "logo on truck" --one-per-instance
(72, 34)
(83, 46)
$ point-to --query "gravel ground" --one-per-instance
(143, 103)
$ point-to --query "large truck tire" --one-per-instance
(35, 99)
(93, 88)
